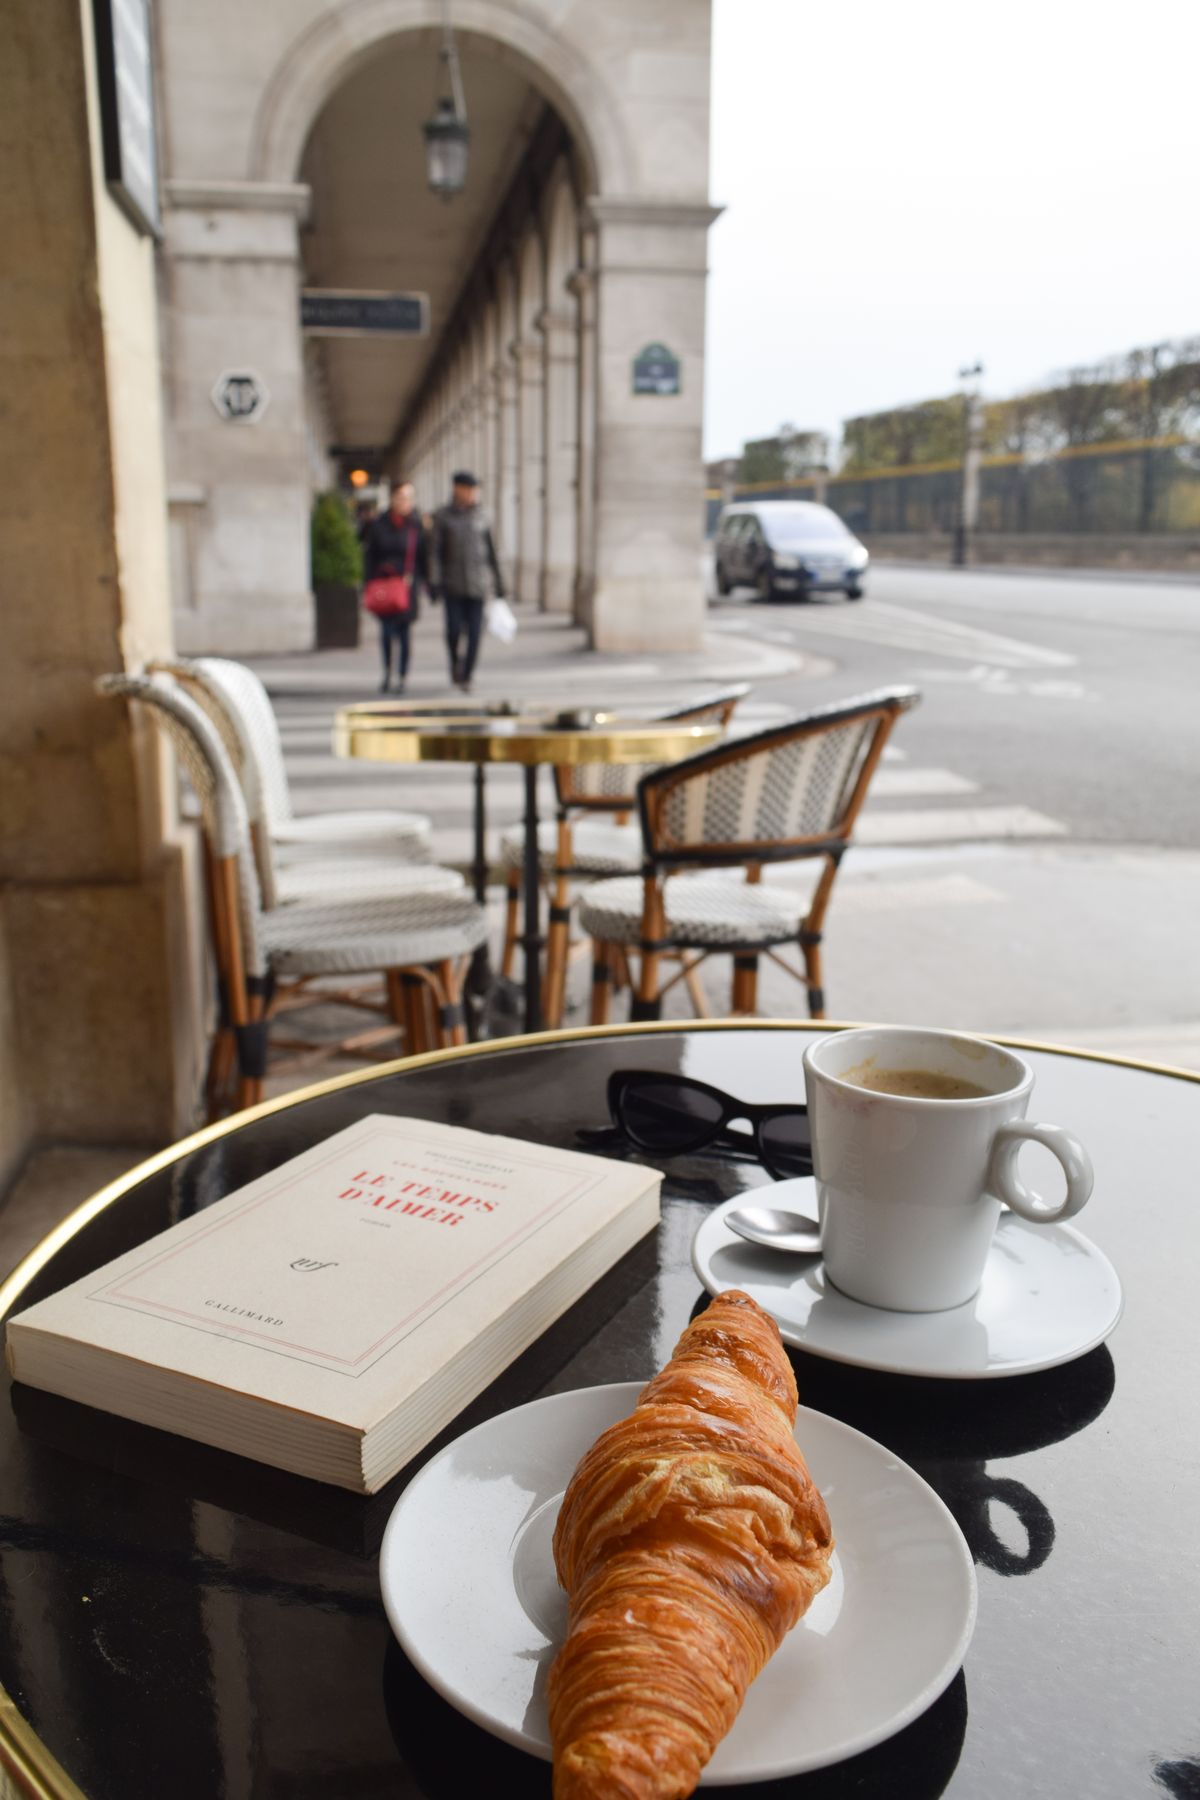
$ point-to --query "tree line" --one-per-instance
(1149, 393)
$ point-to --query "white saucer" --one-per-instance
(469, 1587)
(1048, 1295)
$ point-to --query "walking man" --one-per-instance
(463, 567)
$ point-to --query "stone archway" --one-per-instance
(587, 456)
(330, 49)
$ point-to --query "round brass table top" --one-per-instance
(380, 734)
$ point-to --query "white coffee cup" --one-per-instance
(909, 1189)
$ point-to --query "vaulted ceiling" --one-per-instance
(376, 226)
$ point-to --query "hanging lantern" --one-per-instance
(447, 133)
(446, 139)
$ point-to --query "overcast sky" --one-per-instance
(914, 184)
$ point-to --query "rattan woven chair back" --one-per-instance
(611, 787)
(249, 705)
(792, 791)
(222, 805)
(213, 699)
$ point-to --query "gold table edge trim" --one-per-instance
(423, 741)
(22, 1753)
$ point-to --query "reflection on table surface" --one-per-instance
(577, 735)
(179, 1621)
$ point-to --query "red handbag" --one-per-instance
(388, 595)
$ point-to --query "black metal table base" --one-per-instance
(531, 940)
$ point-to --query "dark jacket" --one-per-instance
(462, 555)
(387, 547)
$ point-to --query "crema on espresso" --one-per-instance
(913, 1084)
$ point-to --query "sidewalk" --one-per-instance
(1050, 939)
(1045, 939)
(548, 657)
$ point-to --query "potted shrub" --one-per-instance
(336, 573)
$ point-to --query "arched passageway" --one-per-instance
(579, 238)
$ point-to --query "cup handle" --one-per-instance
(1005, 1182)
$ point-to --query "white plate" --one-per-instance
(469, 1587)
(1048, 1295)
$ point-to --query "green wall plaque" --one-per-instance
(655, 371)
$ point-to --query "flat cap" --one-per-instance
(464, 478)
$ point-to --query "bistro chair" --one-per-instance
(588, 840)
(793, 792)
(418, 941)
(297, 839)
(358, 875)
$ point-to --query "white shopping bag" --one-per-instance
(501, 621)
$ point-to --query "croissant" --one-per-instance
(689, 1542)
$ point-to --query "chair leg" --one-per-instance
(251, 1042)
(427, 1002)
(745, 983)
(451, 1026)
(412, 1013)
(601, 981)
(512, 923)
(554, 988)
(810, 938)
(646, 1001)
(222, 1060)
(810, 944)
(695, 988)
(395, 995)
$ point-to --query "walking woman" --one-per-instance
(395, 565)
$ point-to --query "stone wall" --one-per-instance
(99, 1036)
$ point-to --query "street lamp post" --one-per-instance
(447, 134)
(968, 493)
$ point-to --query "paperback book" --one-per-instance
(332, 1316)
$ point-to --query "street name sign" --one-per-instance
(125, 77)
(656, 371)
(241, 396)
(338, 312)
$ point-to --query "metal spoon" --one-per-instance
(775, 1229)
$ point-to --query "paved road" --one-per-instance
(1029, 857)
(1074, 698)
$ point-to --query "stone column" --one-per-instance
(530, 365)
(489, 378)
(652, 265)
(506, 513)
(479, 398)
(231, 274)
(529, 354)
(583, 285)
(560, 329)
(102, 995)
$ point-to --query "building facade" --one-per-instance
(294, 161)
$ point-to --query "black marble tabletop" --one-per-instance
(180, 1624)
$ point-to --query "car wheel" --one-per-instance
(723, 581)
(854, 592)
(764, 587)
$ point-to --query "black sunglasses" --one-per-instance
(667, 1115)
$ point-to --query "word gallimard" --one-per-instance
(415, 1199)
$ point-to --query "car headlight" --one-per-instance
(859, 558)
(786, 562)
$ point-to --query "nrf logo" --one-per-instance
(307, 1267)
